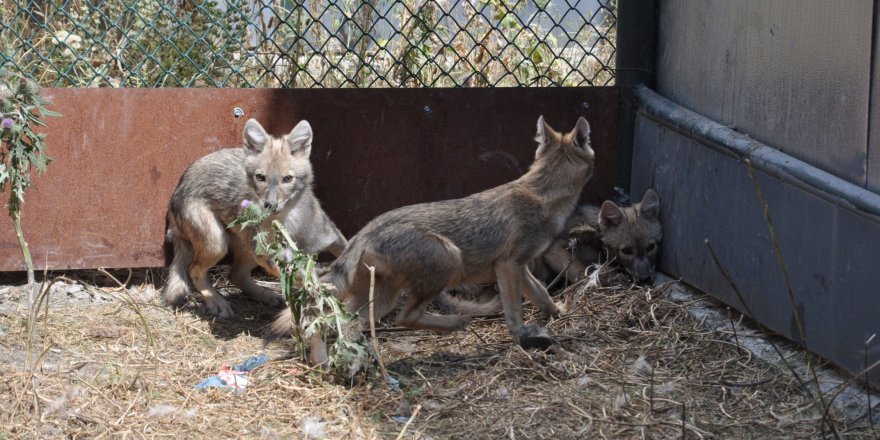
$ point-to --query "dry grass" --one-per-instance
(629, 362)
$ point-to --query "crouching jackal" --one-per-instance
(274, 172)
(486, 237)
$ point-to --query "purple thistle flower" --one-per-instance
(288, 254)
(7, 123)
(245, 203)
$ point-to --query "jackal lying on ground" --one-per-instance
(486, 237)
(629, 235)
(274, 172)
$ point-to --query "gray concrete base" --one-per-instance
(850, 404)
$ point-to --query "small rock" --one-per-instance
(432, 405)
(312, 427)
(583, 381)
(640, 366)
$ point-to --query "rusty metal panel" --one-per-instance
(120, 152)
(793, 74)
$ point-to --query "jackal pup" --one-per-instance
(630, 235)
(486, 237)
(274, 172)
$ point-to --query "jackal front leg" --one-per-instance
(511, 283)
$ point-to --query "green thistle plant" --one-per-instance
(21, 110)
(314, 308)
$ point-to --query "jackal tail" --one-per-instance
(457, 304)
(177, 286)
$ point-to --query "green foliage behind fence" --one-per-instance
(309, 43)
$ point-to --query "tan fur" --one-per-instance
(640, 229)
(274, 172)
(559, 256)
(629, 235)
(483, 238)
(470, 299)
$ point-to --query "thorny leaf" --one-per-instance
(20, 146)
(314, 307)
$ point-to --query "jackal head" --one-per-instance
(632, 235)
(566, 160)
(278, 169)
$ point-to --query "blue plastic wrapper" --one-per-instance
(237, 375)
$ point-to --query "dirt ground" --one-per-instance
(105, 360)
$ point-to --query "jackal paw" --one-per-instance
(220, 307)
(553, 310)
(269, 297)
(272, 269)
(461, 323)
(534, 336)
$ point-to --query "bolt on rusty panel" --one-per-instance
(118, 154)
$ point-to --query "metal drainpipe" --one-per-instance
(636, 55)
(764, 158)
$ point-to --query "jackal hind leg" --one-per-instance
(244, 262)
(559, 259)
(357, 296)
(537, 294)
(420, 294)
(413, 315)
(511, 284)
(209, 244)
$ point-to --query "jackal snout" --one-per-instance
(280, 170)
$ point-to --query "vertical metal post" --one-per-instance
(872, 181)
(636, 55)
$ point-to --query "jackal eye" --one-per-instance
(626, 251)
(287, 179)
(260, 177)
(651, 247)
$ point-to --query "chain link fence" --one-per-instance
(310, 43)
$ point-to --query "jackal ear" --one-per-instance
(582, 133)
(650, 205)
(255, 137)
(300, 139)
(541, 137)
(610, 215)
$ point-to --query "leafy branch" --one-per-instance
(314, 308)
(22, 109)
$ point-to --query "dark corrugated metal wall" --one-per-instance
(796, 75)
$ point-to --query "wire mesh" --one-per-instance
(310, 43)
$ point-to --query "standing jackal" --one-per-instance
(274, 172)
(486, 237)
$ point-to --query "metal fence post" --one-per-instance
(636, 52)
